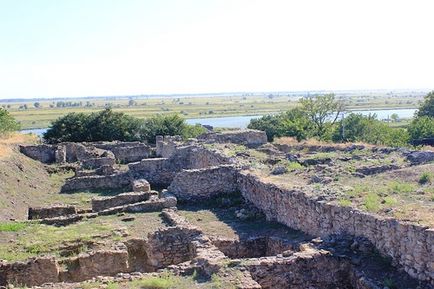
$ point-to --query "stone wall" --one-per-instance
(43, 153)
(409, 245)
(131, 152)
(248, 137)
(161, 171)
(98, 263)
(114, 181)
(103, 203)
(154, 204)
(95, 163)
(171, 245)
(312, 269)
(32, 272)
(204, 183)
(51, 212)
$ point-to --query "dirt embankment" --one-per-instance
(23, 181)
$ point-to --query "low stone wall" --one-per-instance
(99, 263)
(170, 246)
(32, 272)
(248, 137)
(312, 269)
(151, 205)
(103, 203)
(254, 247)
(50, 212)
(44, 153)
(95, 163)
(161, 171)
(204, 183)
(127, 152)
(114, 181)
(409, 245)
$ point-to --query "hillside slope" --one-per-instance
(23, 181)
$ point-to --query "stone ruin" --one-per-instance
(191, 172)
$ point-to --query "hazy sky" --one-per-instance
(122, 47)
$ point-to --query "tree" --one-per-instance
(72, 127)
(322, 110)
(37, 104)
(427, 107)
(394, 117)
(293, 123)
(171, 124)
(7, 122)
(421, 127)
(360, 128)
(108, 125)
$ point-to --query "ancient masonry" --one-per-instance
(190, 172)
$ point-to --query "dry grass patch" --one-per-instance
(7, 142)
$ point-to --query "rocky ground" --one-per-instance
(374, 179)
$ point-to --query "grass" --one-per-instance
(425, 178)
(397, 187)
(13, 139)
(12, 226)
(371, 202)
(35, 239)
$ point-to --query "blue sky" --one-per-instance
(61, 48)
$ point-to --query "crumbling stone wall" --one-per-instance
(409, 245)
(248, 137)
(114, 181)
(43, 153)
(127, 152)
(98, 263)
(204, 183)
(103, 203)
(95, 163)
(311, 269)
(35, 271)
(161, 171)
(51, 212)
(171, 245)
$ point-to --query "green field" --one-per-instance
(192, 106)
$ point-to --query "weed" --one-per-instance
(372, 202)
(163, 282)
(345, 203)
(12, 226)
(425, 178)
(390, 201)
(397, 187)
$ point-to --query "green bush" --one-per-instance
(427, 107)
(293, 123)
(7, 122)
(425, 178)
(105, 125)
(421, 127)
(360, 128)
(108, 125)
(171, 124)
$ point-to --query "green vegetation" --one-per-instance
(372, 202)
(12, 226)
(421, 127)
(425, 178)
(317, 118)
(360, 128)
(7, 122)
(108, 125)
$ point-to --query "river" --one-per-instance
(243, 121)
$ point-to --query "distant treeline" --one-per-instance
(320, 117)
